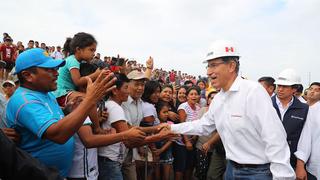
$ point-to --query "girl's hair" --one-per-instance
(149, 88)
(79, 40)
(159, 106)
(196, 88)
(167, 86)
(66, 47)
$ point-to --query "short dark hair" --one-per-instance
(232, 58)
(121, 79)
(298, 87)
(315, 83)
(31, 41)
(268, 80)
(188, 82)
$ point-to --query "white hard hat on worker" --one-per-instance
(222, 64)
(222, 48)
(288, 77)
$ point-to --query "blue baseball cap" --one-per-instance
(36, 57)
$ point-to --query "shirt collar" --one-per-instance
(131, 100)
(32, 91)
(280, 104)
(235, 85)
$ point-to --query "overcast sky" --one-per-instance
(272, 34)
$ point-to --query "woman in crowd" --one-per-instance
(166, 97)
(181, 95)
(150, 97)
(184, 149)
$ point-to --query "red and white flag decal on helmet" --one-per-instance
(229, 49)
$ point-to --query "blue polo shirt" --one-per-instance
(31, 113)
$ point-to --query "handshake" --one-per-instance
(137, 136)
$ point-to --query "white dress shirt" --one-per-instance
(302, 99)
(308, 149)
(282, 109)
(249, 127)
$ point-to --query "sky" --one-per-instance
(272, 35)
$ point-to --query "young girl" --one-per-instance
(164, 147)
(81, 48)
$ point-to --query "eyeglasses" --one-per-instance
(214, 65)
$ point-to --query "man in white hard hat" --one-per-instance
(290, 110)
(253, 136)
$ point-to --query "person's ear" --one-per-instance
(232, 66)
(28, 76)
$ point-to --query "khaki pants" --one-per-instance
(217, 167)
(129, 168)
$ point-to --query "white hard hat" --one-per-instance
(221, 48)
(288, 77)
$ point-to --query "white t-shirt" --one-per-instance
(149, 110)
(84, 162)
(114, 152)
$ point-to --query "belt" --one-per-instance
(237, 165)
(103, 158)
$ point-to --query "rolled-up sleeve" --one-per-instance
(203, 126)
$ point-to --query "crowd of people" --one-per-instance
(69, 114)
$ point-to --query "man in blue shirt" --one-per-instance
(34, 112)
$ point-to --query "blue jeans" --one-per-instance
(262, 172)
(108, 169)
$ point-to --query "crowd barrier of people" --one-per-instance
(67, 114)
